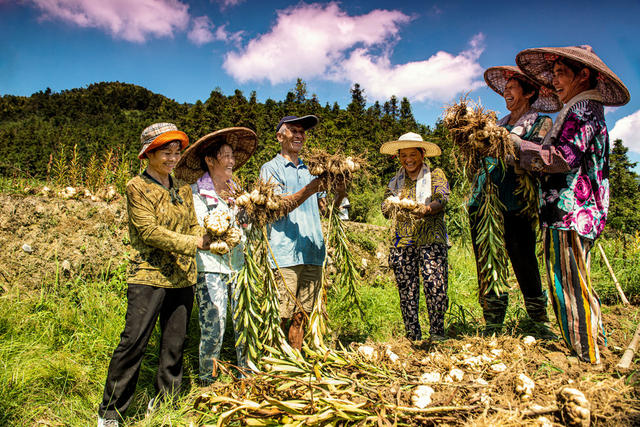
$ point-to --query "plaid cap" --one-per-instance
(158, 134)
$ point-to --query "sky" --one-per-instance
(430, 52)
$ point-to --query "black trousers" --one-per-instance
(144, 305)
(520, 241)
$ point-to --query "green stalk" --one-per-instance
(490, 239)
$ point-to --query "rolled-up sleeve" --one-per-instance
(142, 216)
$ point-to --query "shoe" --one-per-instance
(151, 408)
(107, 423)
(437, 338)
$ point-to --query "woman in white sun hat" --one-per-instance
(574, 161)
(419, 239)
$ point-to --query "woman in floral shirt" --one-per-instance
(524, 98)
(419, 239)
(574, 159)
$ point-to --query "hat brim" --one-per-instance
(243, 142)
(498, 76)
(307, 122)
(172, 135)
(392, 147)
(538, 64)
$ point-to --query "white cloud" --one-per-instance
(201, 32)
(321, 41)
(439, 78)
(626, 129)
(309, 40)
(223, 35)
(133, 21)
(229, 3)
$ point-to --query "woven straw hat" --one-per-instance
(497, 78)
(538, 63)
(159, 134)
(242, 140)
(410, 140)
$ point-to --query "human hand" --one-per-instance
(516, 141)
(421, 210)
(204, 242)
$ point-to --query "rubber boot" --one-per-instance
(296, 331)
(494, 309)
(537, 308)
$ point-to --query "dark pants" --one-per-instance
(144, 305)
(407, 263)
(520, 241)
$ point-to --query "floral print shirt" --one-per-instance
(579, 198)
(410, 231)
(163, 231)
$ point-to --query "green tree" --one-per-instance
(623, 215)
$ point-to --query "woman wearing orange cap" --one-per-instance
(164, 235)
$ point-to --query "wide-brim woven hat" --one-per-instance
(410, 140)
(498, 76)
(538, 64)
(159, 134)
(242, 140)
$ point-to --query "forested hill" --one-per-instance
(112, 115)
(108, 117)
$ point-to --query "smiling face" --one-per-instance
(291, 138)
(514, 96)
(164, 159)
(567, 83)
(411, 160)
(222, 165)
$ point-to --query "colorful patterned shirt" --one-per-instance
(578, 199)
(505, 176)
(414, 231)
(163, 230)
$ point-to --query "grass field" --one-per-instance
(56, 340)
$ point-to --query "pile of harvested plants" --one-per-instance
(476, 137)
(224, 235)
(500, 381)
(336, 169)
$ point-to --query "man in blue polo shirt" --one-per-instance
(296, 239)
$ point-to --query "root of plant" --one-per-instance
(263, 205)
(334, 168)
(475, 135)
(224, 235)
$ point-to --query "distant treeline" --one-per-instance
(109, 116)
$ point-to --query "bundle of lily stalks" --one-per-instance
(476, 136)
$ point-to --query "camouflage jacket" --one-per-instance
(163, 230)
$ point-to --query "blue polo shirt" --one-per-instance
(296, 238)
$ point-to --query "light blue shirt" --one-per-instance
(296, 238)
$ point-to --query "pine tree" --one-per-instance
(624, 196)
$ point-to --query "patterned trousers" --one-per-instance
(213, 292)
(575, 302)
(407, 263)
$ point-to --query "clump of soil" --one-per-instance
(43, 237)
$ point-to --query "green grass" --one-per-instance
(56, 344)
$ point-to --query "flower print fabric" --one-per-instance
(579, 199)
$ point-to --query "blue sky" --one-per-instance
(431, 52)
